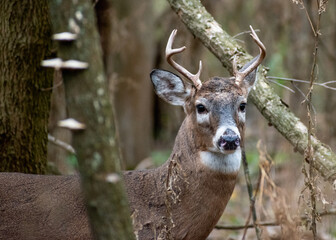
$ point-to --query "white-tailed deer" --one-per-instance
(182, 199)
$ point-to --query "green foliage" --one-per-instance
(160, 156)
(253, 161)
(281, 157)
(333, 232)
(72, 161)
(276, 65)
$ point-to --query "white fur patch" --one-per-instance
(203, 118)
(241, 116)
(220, 162)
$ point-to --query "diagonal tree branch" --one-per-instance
(224, 47)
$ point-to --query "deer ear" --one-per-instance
(170, 87)
(251, 78)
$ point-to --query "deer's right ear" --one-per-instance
(170, 87)
(251, 77)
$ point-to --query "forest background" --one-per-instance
(147, 126)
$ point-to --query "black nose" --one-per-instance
(229, 140)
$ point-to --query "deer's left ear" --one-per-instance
(170, 87)
(250, 79)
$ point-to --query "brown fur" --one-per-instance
(192, 207)
(182, 199)
(41, 207)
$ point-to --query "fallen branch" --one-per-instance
(224, 47)
(269, 223)
(241, 227)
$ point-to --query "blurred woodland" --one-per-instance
(133, 36)
(134, 44)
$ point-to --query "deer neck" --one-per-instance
(186, 195)
(200, 183)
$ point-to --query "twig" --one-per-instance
(241, 227)
(308, 17)
(57, 75)
(292, 80)
(53, 87)
(245, 32)
(252, 197)
(311, 124)
(251, 209)
(304, 96)
(281, 85)
(247, 224)
(323, 213)
(324, 84)
(311, 178)
(61, 144)
(269, 223)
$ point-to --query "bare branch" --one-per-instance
(245, 32)
(330, 212)
(241, 227)
(61, 144)
(251, 195)
(281, 85)
(324, 84)
(224, 47)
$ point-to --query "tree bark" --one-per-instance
(89, 103)
(223, 46)
(24, 105)
(126, 30)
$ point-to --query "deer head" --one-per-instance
(215, 109)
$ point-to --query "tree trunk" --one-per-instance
(126, 29)
(88, 102)
(24, 105)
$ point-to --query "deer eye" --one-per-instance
(201, 108)
(242, 107)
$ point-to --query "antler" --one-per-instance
(192, 78)
(241, 75)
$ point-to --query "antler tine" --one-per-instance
(192, 78)
(262, 53)
(234, 67)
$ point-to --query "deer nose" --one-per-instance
(229, 140)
